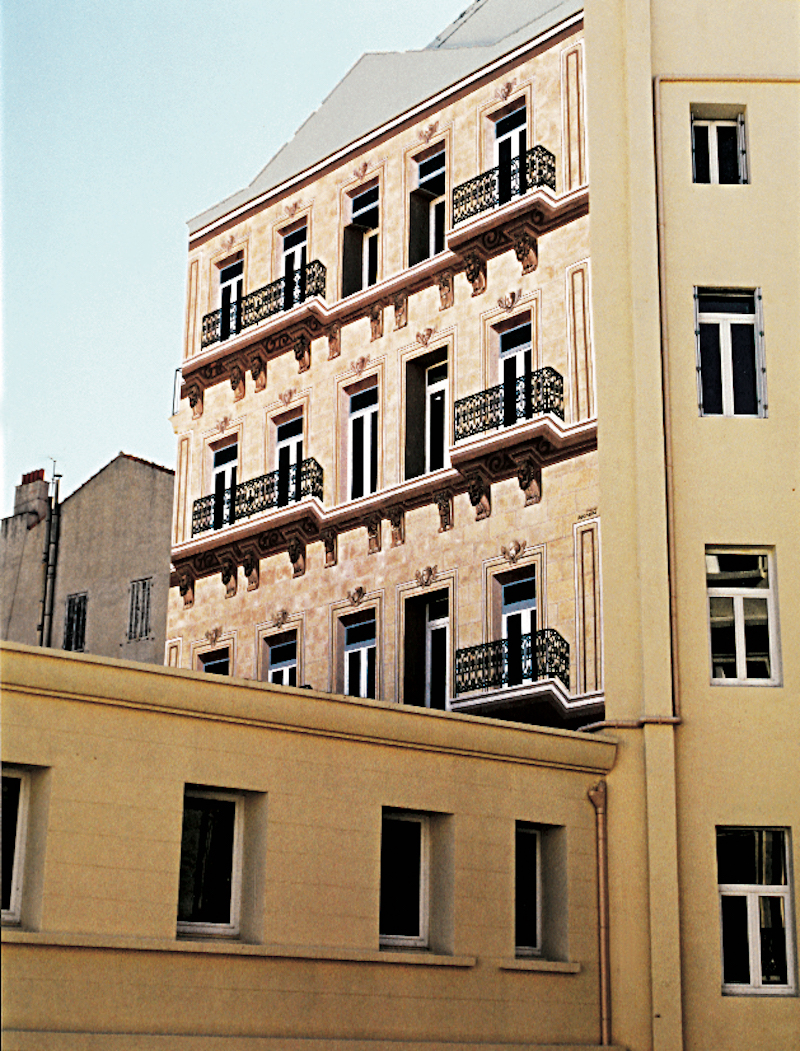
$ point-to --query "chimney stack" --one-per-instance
(31, 497)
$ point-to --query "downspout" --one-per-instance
(45, 560)
(598, 796)
(52, 560)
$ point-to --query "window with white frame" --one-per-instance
(527, 890)
(211, 862)
(216, 662)
(139, 609)
(363, 443)
(360, 654)
(426, 649)
(756, 917)
(510, 147)
(231, 286)
(294, 246)
(75, 622)
(516, 365)
(405, 877)
(731, 370)
(225, 461)
(719, 150)
(360, 246)
(289, 459)
(16, 788)
(742, 615)
(427, 413)
(427, 208)
(282, 658)
(518, 621)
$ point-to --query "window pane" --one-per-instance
(728, 153)
(771, 857)
(702, 169)
(772, 922)
(11, 789)
(737, 571)
(357, 456)
(711, 370)
(217, 662)
(756, 638)
(206, 860)
(737, 855)
(353, 686)
(438, 668)
(712, 301)
(371, 673)
(723, 638)
(525, 893)
(362, 632)
(743, 353)
(735, 944)
(401, 856)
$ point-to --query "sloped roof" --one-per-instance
(120, 456)
(383, 85)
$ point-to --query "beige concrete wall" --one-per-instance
(120, 742)
(21, 550)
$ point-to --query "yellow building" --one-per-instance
(389, 484)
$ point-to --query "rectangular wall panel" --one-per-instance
(580, 343)
(588, 608)
(574, 137)
(191, 345)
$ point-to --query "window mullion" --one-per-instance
(754, 938)
(738, 624)
(726, 364)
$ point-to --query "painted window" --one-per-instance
(510, 147)
(518, 612)
(363, 443)
(756, 919)
(516, 365)
(427, 634)
(427, 212)
(427, 414)
(283, 658)
(360, 654)
(293, 258)
(216, 662)
(231, 286)
(289, 459)
(361, 238)
(224, 467)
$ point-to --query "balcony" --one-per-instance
(508, 403)
(276, 489)
(264, 303)
(498, 185)
(495, 665)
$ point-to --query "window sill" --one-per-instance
(746, 990)
(542, 966)
(228, 946)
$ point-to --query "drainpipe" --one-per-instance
(598, 797)
(49, 559)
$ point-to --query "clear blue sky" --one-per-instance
(121, 120)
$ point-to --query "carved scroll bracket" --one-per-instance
(376, 321)
(397, 520)
(526, 245)
(195, 396)
(445, 283)
(236, 376)
(296, 549)
(302, 352)
(230, 577)
(251, 566)
(475, 269)
(480, 496)
(443, 498)
(529, 475)
(186, 588)
(330, 540)
(400, 304)
(374, 533)
(334, 342)
(258, 370)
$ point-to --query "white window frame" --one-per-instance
(713, 149)
(294, 261)
(752, 892)
(517, 138)
(430, 627)
(420, 941)
(524, 828)
(234, 287)
(372, 232)
(724, 321)
(527, 610)
(231, 929)
(435, 202)
(13, 914)
(281, 666)
(294, 447)
(431, 389)
(739, 594)
(370, 415)
(362, 648)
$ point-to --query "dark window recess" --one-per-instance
(294, 268)
(360, 248)
(735, 944)
(427, 211)
(364, 439)
(425, 650)
(743, 361)
(290, 457)
(206, 860)
(401, 858)
(526, 890)
(225, 485)
(702, 162)
(511, 136)
(75, 623)
(11, 793)
(231, 289)
(420, 374)
(711, 370)
(217, 662)
(728, 154)
(751, 855)
(283, 659)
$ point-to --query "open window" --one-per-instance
(426, 649)
(231, 288)
(516, 367)
(730, 368)
(360, 654)
(289, 460)
(216, 662)
(16, 790)
(225, 460)
(427, 413)
(518, 621)
(756, 915)
(294, 246)
(362, 461)
(282, 658)
(361, 237)
(405, 876)
(427, 209)
(510, 147)
(719, 145)
(742, 612)
(209, 896)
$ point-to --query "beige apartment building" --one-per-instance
(409, 403)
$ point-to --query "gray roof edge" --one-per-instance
(489, 55)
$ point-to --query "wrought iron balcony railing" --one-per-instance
(500, 184)
(508, 403)
(263, 303)
(276, 489)
(493, 665)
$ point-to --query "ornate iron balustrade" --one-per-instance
(264, 302)
(535, 393)
(500, 184)
(276, 489)
(493, 665)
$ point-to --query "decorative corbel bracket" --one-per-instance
(302, 352)
(529, 475)
(400, 304)
(236, 376)
(251, 565)
(445, 283)
(376, 321)
(334, 341)
(258, 369)
(195, 395)
(329, 539)
(296, 549)
(480, 495)
(230, 577)
(443, 498)
(186, 588)
(526, 245)
(475, 269)
(397, 520)
(374, 533)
